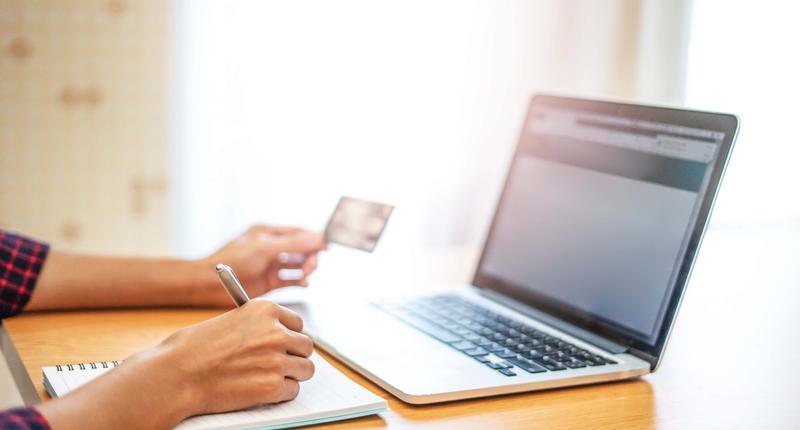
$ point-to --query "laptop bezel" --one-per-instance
(652, 353)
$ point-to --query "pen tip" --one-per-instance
(220, 267)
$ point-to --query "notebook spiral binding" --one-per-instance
(92, 365)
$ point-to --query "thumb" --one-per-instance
(301, 243)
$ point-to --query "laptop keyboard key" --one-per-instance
(523, 347)
(461, 331)
(498, 364)
(482, 341)
(550, 365)
(506, 364)
(472, 337)
(560, 356)
(450, 325)
(474, 326)
(485, 331)
(526, 365)
(463, 345)
(507, 372)
(495, 347)
(481, 358)
(534, 353)
(574, 364)
(475, 352)
(506, 353)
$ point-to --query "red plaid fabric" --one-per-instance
(23, 419)
(21, 260)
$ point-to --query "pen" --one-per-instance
(232, 285)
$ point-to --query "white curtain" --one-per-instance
(743, 58)
(280, 107)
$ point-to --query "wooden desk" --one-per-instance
(732, 363)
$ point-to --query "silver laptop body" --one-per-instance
(16, 387)
(582, 271)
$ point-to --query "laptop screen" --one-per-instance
(597, 215)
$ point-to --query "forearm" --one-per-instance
(72, 281)
(148, 389)
(249, 356)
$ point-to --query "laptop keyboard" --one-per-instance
(501, 343)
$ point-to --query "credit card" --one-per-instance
(357, 223)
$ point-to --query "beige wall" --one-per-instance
(83, 123)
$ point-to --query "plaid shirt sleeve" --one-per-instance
(21, 259)
(22, 419)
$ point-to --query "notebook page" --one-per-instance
(64, 380)
(328, 394)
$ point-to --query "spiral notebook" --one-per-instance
(328, 396)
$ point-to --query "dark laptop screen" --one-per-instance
(597, 214)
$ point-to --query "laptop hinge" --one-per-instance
(582, 334)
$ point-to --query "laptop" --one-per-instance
(582, 271)
(16, 388)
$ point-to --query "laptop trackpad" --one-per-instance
(387, 348)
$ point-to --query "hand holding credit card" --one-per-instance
(357, 223)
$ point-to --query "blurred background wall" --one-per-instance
(164, 127)
(84, 123)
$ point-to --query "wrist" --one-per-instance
(202, 286)
(164, 364)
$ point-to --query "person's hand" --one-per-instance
(262, 256)
(248, 356)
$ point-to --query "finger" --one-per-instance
(276, 279)
(290, 319)
(289, 390)
(292, 265)
(271, 229)
(283, 283)
(287, 258)
(302, 242)
(310, 265)
(285, 274)
(307, 266)
(299, 345)
(298, 261)
(273, 280)
(299, 368)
